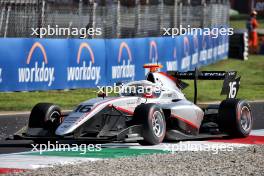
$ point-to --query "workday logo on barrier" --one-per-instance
(1, 75)
(153, 52)
(40, 72)
(172, 65)
(221, 46)
(195, 56)
(203, 52)
(186, 55)
(84, 71)
(124, 69)
(210, 47)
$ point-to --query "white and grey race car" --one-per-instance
(147, 111)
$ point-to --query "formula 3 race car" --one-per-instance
(147, 111)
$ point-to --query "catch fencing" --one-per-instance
(116, 18)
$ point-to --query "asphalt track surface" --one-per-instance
(9, 124)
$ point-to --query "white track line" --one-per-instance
(34, 162)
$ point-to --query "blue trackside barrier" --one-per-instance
(47, 64)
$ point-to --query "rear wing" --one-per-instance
(230, 85)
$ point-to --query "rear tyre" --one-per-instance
(154, 125)
(45, 115)
(235, 117)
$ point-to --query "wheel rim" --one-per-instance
(157, 124)
(245, 119)
(55, 116)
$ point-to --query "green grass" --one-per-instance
(252, 88)
(16, 101)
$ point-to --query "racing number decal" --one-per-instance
(230, 85)
(232, 90)
(83, 108)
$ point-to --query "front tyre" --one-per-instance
(153, 121)
(45, 115)
(235, 117)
